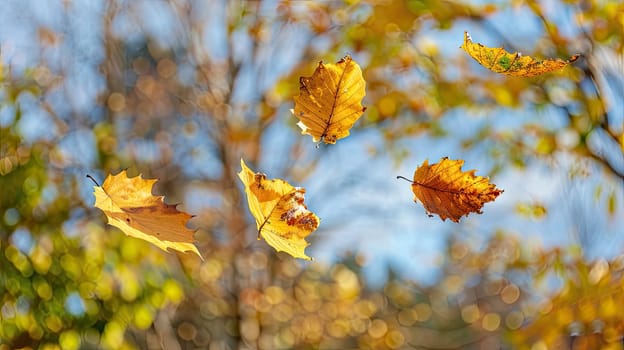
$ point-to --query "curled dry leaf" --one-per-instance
(445, 190)
(130, 206)
(329, 102)
(282, 218)
(498, 60)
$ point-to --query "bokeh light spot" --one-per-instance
(69, 340)
(113, 335)
(11, 216)
(387, 106)
(470, 313)
(143, 317)
(454, 284)
(407, 317)
(166, 68)
(510, 294)
(187, 331)
(274, 295)
(250, 329)
(394, 339)
(116, 102)
(377, 328)
(424, 311)
(491, 321)
(74, 304)
(210, 270)
(514, 320)
(540, 345)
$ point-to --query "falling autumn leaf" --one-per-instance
(445, 190)
(500, 61)
(329, 102)
(130, 206)
(282, 219)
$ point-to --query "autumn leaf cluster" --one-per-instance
(328, 105)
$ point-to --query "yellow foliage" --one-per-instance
(329, 102)
(130, 206)
(282, 219)
(588, 307)
(535, 210)
(500, 61)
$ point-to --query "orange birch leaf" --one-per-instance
(445, 190)
(329, 102)
(500, 61)
(130, 206)
(282, 219)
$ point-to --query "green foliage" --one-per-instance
(62, 281)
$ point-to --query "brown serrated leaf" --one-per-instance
(329, 102)
(445, 190)
(130, 206)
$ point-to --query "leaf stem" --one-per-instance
(92, 179)
(404, 178)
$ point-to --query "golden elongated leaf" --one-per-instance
(445, 190)
(329, 102)
(282, 219)
(130, 206)
(498, 60)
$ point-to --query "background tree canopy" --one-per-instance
(182, 90)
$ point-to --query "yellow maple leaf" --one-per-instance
(498, 60)
(130, 206)
(445, 190)
(282, 219)
(329, 102)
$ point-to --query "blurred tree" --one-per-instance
(181, 90)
